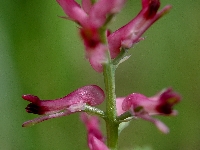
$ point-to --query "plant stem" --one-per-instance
(111, 123)
(94, 110)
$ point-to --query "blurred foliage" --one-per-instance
(41, 54)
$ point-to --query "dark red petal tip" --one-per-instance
(152, 9)
(168, 99)
(32, 108)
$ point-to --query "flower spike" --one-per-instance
(92, 18)
(73, 102)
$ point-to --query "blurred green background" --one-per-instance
(41, 54)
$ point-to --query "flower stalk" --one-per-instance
(111, 124)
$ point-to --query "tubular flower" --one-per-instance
(73, 102)
(91, 18)
(130, 34)
(160, 104)
(94, 135)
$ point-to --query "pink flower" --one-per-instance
(95, 137)
(91, 15)
(131, 33)
(91, 18)
(144, 107)
(73, 102)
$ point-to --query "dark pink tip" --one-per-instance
(90, 36)
(34, 107)
(152, 8)
(167, 100)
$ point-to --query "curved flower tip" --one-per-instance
(73, 102)
(94, 135)
(160, 104)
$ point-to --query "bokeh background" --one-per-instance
(42, 54)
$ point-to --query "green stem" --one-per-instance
(94, 110)
(111, 122)
(119, 58)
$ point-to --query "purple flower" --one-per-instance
(144, 107)
(91, 18)
(94, 135)
(131, 33)
(73, 102)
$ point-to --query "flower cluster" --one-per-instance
(93, 20)
(104, 50)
